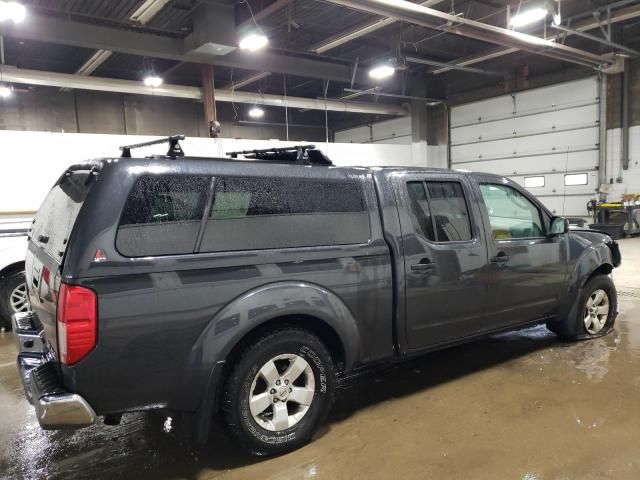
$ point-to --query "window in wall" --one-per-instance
(575, 179)
(439, 211)
(256, 213)
(534, 182)
(162, 215)
(511, 214)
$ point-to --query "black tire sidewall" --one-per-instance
(8, 283)
(255, 438)
(600, 282)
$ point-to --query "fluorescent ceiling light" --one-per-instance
(153, 81)
(381, 71)
(5, 92)
(532, 39)
(256, 112)
(13, 11)
(527, 17)
(254, 42)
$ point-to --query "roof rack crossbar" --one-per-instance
(175, 150)
(306, 154)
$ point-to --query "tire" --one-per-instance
(253, 376)
(10, 287)
(587, 320)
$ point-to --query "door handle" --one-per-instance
(500, 258)
(425, 265)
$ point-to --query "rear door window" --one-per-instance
(56, 216)
(260, 213)
(439, 211)
(162, 215)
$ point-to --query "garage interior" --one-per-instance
(549, 101)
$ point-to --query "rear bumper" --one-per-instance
(55, 407)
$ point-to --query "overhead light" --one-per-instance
(5, 92)
(253, 42)
(14, 11)
(152, 80)
(256, 112)
(380, 72)
(528, 16)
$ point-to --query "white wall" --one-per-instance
(32, 161)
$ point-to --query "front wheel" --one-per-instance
(596, 312)
(279, 392)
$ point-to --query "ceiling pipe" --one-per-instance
(427, 17)
(582, 26)
(68, 80)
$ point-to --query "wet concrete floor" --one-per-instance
(515, 406)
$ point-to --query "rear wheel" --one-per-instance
(278, 392)
(595, 314)
(13, 297)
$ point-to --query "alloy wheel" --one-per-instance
(282, 392)
(596, 311)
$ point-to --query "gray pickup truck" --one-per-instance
(245, 288)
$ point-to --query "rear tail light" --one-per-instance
(77, 317)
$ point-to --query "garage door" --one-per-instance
(545, 139)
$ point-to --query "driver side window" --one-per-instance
(511, 214)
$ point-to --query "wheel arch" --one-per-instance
(300, 304)
(12, 267)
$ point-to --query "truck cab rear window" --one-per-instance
(162, 215)
(257, 213)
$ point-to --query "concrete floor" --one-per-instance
(515, 406)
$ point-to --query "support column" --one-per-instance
(419, 132)
(209, 100)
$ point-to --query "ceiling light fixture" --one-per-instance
(5, 91)
(254, 41)
(152, 80)
(380, 72)
(14, 11)
(256, 112)
(527, 17)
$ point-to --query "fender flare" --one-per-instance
(267, 302)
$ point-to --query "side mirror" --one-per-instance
(558, 226)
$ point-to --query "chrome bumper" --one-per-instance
(55, 407)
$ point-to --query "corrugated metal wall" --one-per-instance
(546, 139)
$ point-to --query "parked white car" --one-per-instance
(13, 290)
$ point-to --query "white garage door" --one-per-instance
(546, 139)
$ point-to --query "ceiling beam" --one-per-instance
(445, 22)
(145, 12)
(364, 29)
(248, 80)
(78, 34)
(69, 80)
(264, 13)
(582, 26)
